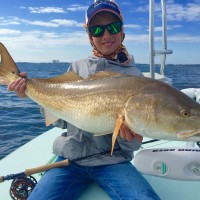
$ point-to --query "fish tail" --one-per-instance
(8, 69)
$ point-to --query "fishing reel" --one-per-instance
(22, 187)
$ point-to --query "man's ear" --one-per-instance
(123, 36)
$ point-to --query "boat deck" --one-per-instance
(29, 155)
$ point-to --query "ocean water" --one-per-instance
(21, 121)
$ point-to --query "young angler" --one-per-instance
(115, 174)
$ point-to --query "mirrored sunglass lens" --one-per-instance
(97, 31)
(114, 28)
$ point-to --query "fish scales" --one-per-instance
(97, 100)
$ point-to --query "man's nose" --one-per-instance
(106, 33)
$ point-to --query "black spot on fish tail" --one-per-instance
(18, 72)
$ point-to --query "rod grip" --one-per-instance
(1, 179)
(43, 168)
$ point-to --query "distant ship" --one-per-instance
(55, 61)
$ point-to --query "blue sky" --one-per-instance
(44, 30)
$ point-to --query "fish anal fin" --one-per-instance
(103, 74)
(49, 118)
(119, 122)
(70, 76)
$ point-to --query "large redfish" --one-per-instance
(106, 100)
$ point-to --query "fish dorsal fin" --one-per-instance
(49, 118)
(70, 76)
(103, 74)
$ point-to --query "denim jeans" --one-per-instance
(120, 181)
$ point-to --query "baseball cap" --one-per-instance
(102, 5)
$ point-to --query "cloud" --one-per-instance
(178, 12)
(9, 21)
(9, 32)
(54, 23)
(65, 22)
(39, 10)
(76, 7)
(170, 27)
(42, 38)
(22, 7)
(184, 38)
(40, 23)
(142, 38)
(42, 46)
(134, 26)
(126, 3)
(145, 8)
(42, 10)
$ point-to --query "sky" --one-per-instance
(46, 30)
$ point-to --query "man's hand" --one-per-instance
(129, 135)
(19, 85)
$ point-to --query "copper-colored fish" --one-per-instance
(106, 100)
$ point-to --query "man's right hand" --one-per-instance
(19, 85)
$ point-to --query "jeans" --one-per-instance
(120, 181)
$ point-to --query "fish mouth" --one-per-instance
(189, 134)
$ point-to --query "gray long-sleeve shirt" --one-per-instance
(78, 143)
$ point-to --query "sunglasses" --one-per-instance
(113, 28)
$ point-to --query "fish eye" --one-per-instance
(185, 113)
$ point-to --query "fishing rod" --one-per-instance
(23, 183)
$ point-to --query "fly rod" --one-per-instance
(63, 163)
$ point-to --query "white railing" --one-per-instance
(152, 51)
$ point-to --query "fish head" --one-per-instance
(163, 112)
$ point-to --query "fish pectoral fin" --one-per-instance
(118, 125)
(103, 74)
(49, 118)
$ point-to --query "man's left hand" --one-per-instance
(129, 135)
